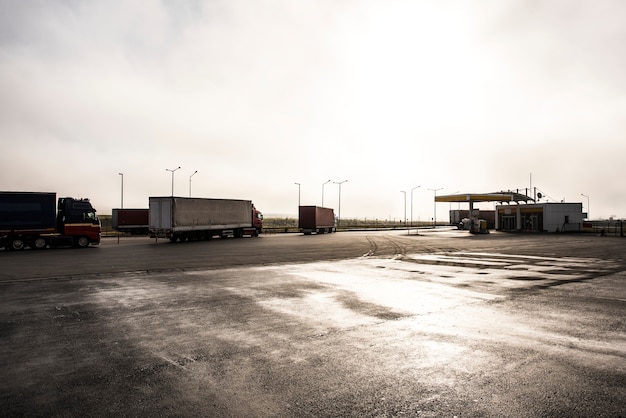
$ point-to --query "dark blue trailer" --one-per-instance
(27, 211)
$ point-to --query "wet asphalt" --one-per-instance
(349, 324)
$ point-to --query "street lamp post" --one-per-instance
(339, 212)
(323, 191)
(122, 202)
(189, 183)
(298, 194)
(172, 170)
(407, 227)
(435, 211)
(416, 187)
(588, 211)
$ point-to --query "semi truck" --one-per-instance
(132, 221)
(316, 219)
(193, 219)
(38, 220)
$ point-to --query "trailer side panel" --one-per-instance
(211, 213)
(27, 211)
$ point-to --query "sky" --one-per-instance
(454, 95)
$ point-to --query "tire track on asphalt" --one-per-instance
(398, 250)
(384, 246)
(373, 246)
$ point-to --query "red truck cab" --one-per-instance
(77, 218)
(257, 220)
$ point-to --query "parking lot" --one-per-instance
(350, 324)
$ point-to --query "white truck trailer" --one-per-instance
(193, 219)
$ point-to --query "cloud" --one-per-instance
(257, 96)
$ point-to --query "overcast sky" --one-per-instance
(467, 96)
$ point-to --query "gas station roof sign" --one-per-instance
(484, 197)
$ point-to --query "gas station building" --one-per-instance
(518, 212)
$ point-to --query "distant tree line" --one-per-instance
(291, 224)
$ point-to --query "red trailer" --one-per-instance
(133, 221)
(316, 219)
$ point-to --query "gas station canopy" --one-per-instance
(485, 197)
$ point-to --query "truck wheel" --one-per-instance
(82, 242)
(18, 244)
(40, 243)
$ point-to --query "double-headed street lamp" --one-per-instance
(416, 187)
(435, 211)
(189, 182)
(339, 213)
(172, 170)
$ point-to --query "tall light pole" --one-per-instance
(588, 217)
(435, 211)
(407, 228)
(189, 183)
(298, 194)
(339, 213)
(323, 191)
(416, 187)
(122, 203)
(172, 170)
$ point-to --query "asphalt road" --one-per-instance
(349, 324)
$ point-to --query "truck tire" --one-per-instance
(39, 243)
(82, 242)
(18, 244)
